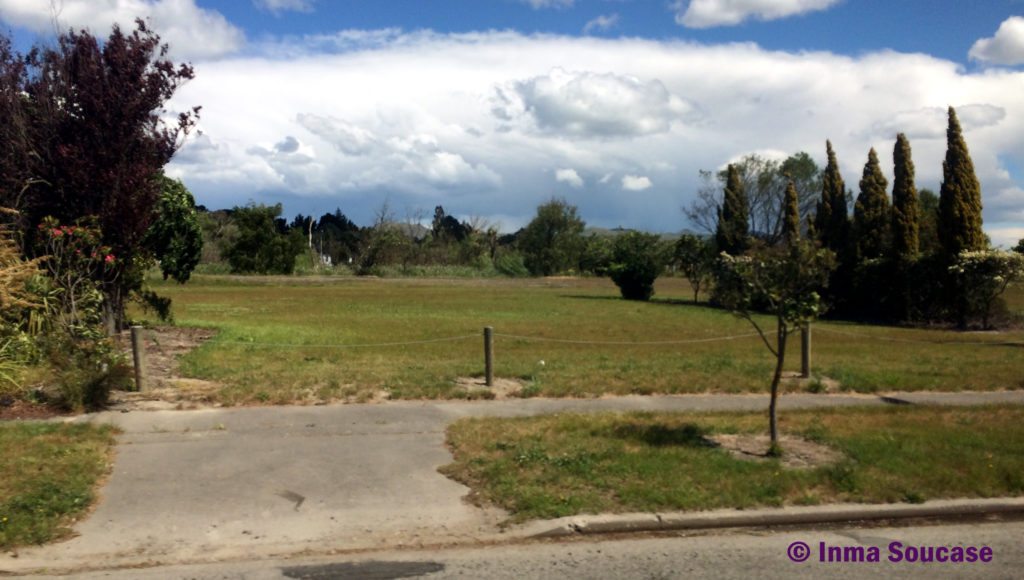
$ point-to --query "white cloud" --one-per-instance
(635, 183)
(191, 31)
(279, 6)
(569, 176)
(930, 122)
(1005, 48)
(601, 23)
(712, 13)
(589, 104)
(416, 117)
(538, 4)
(347, 138)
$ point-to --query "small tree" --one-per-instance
(553, 241)
(1019, 248)
(695, 256)
(786, 279)
(637, 261)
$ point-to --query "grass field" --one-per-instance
(49, 472)
(553, 466)
(278, 341)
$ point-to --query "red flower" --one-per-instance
(109, 259)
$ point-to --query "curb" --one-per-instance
(787, 516)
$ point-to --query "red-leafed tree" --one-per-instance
(97, 136)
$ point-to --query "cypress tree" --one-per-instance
(831, 220)
(905, 212)
(959, 196)
(871, 216)
(733, 230)
(791, 217)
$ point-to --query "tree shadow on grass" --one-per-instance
(687, 435)
(656, 300)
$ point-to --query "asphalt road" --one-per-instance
(731, 555)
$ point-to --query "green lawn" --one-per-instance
(553, 466)
(277, 336)
(50, 472)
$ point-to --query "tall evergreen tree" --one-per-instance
(831, 221)
(959, 196)
(905, 212)
(791, 219)
(871, 216)
(733, 230)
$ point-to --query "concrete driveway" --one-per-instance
(193, 486)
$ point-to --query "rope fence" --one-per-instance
(489, 335)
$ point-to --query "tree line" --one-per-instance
(915, 258)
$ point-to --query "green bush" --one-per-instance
(86, 371)
(637, 261)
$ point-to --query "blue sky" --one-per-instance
(944, 28)
(490, 107)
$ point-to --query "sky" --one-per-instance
(492, 107)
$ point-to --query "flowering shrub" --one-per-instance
(982, 276)
(76, 261)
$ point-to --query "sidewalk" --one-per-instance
(207, 485)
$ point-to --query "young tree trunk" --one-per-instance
(773, 426)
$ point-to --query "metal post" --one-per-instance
(489, 356)
(805, 351)
(139, 357)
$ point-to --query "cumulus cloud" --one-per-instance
(712, 13)
(345, 137)
(191, 31)
(279, 6)
(480, 123)
(930, 122)
(589, 104)
(636, 183)
(569, 176)
(601, 23)
(1005, 48)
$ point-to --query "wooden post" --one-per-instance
(489, 356)
(805, 351)
(139, 357)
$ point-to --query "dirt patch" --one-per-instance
(797, 453)
(165, 345)
(12, 409)
(476, 388)
(814, 384)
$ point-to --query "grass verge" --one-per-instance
(554, 466)
(50, 472)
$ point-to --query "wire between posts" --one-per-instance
(626, 343)
(365, 345)
(917, 341)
